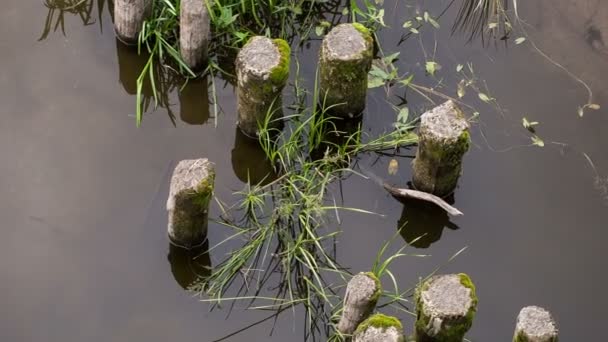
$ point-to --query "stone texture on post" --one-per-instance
(535, 324)
(443, 141)
(446, 306)
(262, 69)
(194, 33)
(379, 328)
(345, 59)
(190, 192)
(129, 17)
(362, 293)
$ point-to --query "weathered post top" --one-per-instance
(446, 306)
(129, 16)
(345, 59)
(261, 58)
(443, 141)
(379, 328)
(190, 192)
(535, 324)
(445, 123)
(262, 69)
(362, 293)
(346, 42)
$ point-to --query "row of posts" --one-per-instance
(445, 309)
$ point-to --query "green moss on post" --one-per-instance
(443, 140)
(262, 68)
(362, 294)
(190, 193)
(379, 327)
(446, 306)
(345, 59)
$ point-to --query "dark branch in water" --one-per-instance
(424, 196)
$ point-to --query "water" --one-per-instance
(84, 253)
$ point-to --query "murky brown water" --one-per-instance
(84, 254)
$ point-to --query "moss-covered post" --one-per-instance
(190, 192)
(362, 293)
(443, 141)
(194, 33)
(446, 306)
(379, 328)
(345, 59)
(262, 69)
(129, 17)
(535, 324)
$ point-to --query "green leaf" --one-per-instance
(414, 30)
(403, 115)
(407, 24)
(319, 30)
(459, 67)
(432, 67)
(375, 71)
(434, 23)
(391, 58)
(492, 25)
(594, 106)
(581, 111)
(375, 82)
(527, 124)
(462, 85)
(407, 80)
(537, 141)
(345, 11)
(520, 40)
(485, 98)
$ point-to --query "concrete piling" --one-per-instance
(345, 59)
(362, 293)
(194, 33)
(535, 324)
(446, 306)
(443, 141)
(190, 192)
(262, 69)
(379, 328)
(129, 17)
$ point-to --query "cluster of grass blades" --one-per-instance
(58, 9)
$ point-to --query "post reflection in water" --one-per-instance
(422, 223)
(249, 161)
(190, 267)
(194, 102)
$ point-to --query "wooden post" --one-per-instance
(535, 324)
(262, 69)
(443, 141)
(446, 306)
(345, 59)
(362, 293)
(379, 328)
(190, 192)
(194, 33)
(129, 17)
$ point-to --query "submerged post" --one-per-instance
(262, 69)
(379, 328)
(446, 306)
(443, 141)
(194, 31)
(345, 59)
(362, 293)
(190, 192)
(535, 324)
(129, 17)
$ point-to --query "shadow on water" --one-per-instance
(336, 132)
(422, 223)
(190, 267)
(249, 161)
(194, 102)
(58, 10)
(130, 65)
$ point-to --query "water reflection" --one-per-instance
(249, 161)
(422, 223)
(337, 132)
(58, 10)
(194, 102)
(130, 66)
(190, 267)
